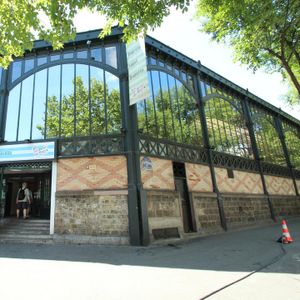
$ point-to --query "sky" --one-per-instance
(181, 32)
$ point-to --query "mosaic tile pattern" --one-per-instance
(89, 173)
(279, 185)
(198, 178)
(157, 174)
(243, 182)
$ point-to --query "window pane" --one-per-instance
(16, 70)
(29, 64)
(158, 104)
(111, 56)
(26, 109)
(82, 100)
(68, 55)
(12, 114)
(176, 109)
(97, 101)
(113, 103)
(67, 100)
(53, 102)
(55, 57)
(41, 60)
(96, 54)
(38, 122)
(82, 54)
(166, 105)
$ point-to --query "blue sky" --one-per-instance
(181, 32)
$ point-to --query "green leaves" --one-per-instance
(264, 34)
(23, 21)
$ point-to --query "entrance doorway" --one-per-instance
(181, 187)
(39, 183)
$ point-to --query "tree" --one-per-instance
(262, 33)
(89, 120)
(20, 21)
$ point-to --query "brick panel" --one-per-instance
(286, 206)
(279, 185)
(198, 178)
(160, 176)
(89, 173)
(243, 182)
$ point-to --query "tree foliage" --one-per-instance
(262, 33)
(20, 20)
(79, 117)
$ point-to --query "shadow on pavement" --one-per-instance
(242, 251)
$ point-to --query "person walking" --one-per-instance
(23, 200)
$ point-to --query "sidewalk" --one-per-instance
(177, 271)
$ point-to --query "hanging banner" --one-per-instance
(28, 151)
(137, 71)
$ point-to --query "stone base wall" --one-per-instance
(286, 206)
(206, 212)
(245, 210)
(164, 211)
(92, 213)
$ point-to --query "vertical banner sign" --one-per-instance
(137, 71)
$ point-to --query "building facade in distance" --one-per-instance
(200, 155)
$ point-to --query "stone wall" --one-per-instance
(198, 178)
(279, 185)
(157, 173)
(243, 182)
(286, 206)
(92, 213)
(245, 210)
(164, 211)
(90, 173)
(206, 212)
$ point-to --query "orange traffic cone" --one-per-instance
(286, 237)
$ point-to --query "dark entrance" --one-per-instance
(38, 181)
(181, 187)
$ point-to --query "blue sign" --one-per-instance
(30, 151)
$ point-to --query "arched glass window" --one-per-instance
(292, 140)
(171, 112)
(64, 101)
(267, 138)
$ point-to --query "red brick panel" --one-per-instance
(198, 178)
(279, 185)
(90, 173)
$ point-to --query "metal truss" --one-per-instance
(171, 150)
(98, 145)
(271, 169)
(234, 162)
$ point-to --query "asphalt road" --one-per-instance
(184, 271)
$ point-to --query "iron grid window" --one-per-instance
(184, 75)
(106, 55)
(292, 140)
(267, 138)
(64, 101)
(225, 120)
(171, 112)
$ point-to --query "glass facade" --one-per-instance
(292, 140)
(267, 138)
(75, 92)
(21, 67)
(225, 120)
(171, 111)
(64, 101)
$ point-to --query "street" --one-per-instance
(179, 271)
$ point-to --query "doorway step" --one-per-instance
(25, 231)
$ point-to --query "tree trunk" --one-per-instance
(291, 74)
